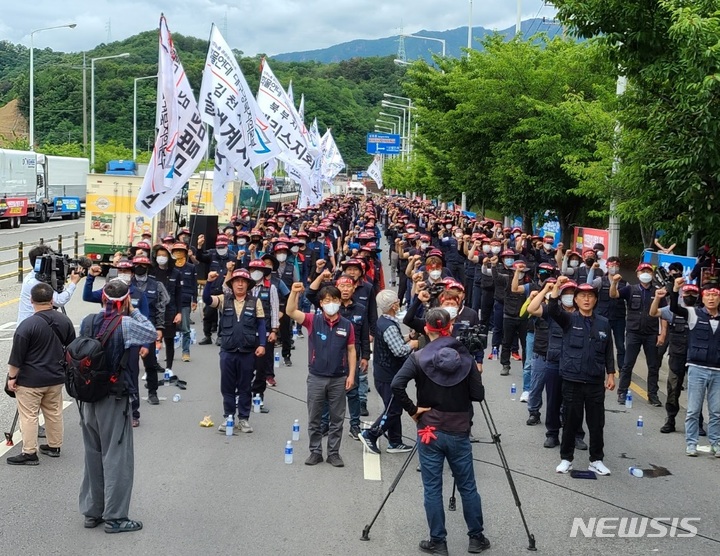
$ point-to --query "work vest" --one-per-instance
(238, 334)
(678, 336)
(638, 311)
(612, 309)
(385, 363)
(703, 343)
(264, 297)
(583, 353)
(328, 347)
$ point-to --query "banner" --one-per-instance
(314, 139)
(301, 108)
(375, 172)
(239, 127)
(332, 161)
(665, 259)
(586, 238)
(181, 139)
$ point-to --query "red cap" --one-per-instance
(453, 284)
(179, 245)
(141, 260)
(353, 262)
(124, 263)
(144, 245)
(567, 285)
(242, 273)
(690, 288)
(281, 246)
(586, 288)
(508, 253)
(257, 263)
(221, 240)
(644, 266)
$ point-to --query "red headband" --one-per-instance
(711, 290)
(442, 331)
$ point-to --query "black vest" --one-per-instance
(678, 336)
(583, 357)
(264, 297)
(703, 343)
(238, 335)
(612, 309)
(638, 311)
(542, 337)
(151, 294)
(328, 347)
(385, 363)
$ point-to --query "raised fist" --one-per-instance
(616, 277)
(212, 276)
(320, 264)
(561, 280)
(326, 275)
(201, 240)
(95, 270)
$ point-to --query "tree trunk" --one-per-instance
(648, 235)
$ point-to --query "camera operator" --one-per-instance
(447, 383)
(36, 376)
(59, 299)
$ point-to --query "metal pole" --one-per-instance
(134, 133)
(613, 249)
(59, 243)
(469, 44)
(77, 244)
(21, 256)
(92, 115)
(84, 109)
(31, 130)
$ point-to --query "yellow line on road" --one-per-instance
(639, 391)
(9, 302)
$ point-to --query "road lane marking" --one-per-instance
(371, 465)
(7, 326)
(9, 302)
(17, 437)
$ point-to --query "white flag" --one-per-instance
(332, 161)
(290, 93)
(375, 172)
(181, 137)
(301, 108)
(314, 139)
(239, 127)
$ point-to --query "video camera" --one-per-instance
(435, 289)
(661, 279)
(474, 338)
(55, 268)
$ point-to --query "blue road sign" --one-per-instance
(383, 143)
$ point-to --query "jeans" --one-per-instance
(456, 449)
(579, 397)
(185, 329)
(633, 342)
(528, 360)
(702, 382)
(618, 331)
(546, 376)
(363, 387)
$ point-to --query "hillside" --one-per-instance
(13, 125)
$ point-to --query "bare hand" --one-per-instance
(320, 264)
(326, 275)
(616, 278)
(424, 296)
(193, 307)
(75, 277)
(610, 382)
(679, 283)
(259, 351)
(95, 270)
(298, 288)
(349, 383)
(419, 412)
(159, 336)
(212, 276)
(143, 352)
(201, 240)
(661, 292)
(177, 319)
(363, 366)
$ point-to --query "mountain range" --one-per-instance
(415, 48)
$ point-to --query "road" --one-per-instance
(199, 492)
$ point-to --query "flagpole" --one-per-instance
(202, 184)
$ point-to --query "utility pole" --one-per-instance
(469, 44)
(84, 104)
(518, 20)
(613, 250)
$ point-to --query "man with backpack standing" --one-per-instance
(105, 407)
(36, 375)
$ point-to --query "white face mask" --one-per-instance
(600, 254)
(281, 257)
(435, 274)
(452, 311)
(645, 278)
(294, 249)
(547, 246)
(574, 263)
(448, 226)
(411, 230)
(257, 275)
(508, 262)
(126, 278)
(458, 235)
(495, 250)
(612, 270)
(423, 245)
(331, 309)
(486, 248)
(162, 261)
(242, 241)
(567, 299)
(222, 251)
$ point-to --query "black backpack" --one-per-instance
(87, 377)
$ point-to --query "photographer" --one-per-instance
(59, 299)
(447, 383)
(36, 376)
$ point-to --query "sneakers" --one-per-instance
(551, 442)
(478, 544)
(654, 401)
(186, 357)
(300, 334)
(23, 459)
(314, 459)
(288, 363)
(206, 341)
(363, 409)
(264, 408)
(668, 427)
(222, 428)
(369, 442)
(433, 547)
(691, 451)
(621, 399)
(505, 370)
(335, 460)
(524, 397)
(493, 354)
(48, 451)
(715, 450)
(398, 448)
(244, 426)
(153, 399)
(122, 526)
(355, 433)
(598, 467)
(516, 356)
(533, 420)
(564, 466)
(270, 381)
(580, 444)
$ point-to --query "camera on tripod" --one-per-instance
(474, 338)
(662, 279)
(435, 289)
(55, 268)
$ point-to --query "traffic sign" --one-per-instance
(383, 143)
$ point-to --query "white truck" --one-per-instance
(34, 185)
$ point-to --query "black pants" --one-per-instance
(263, 369)
(514, 330)
(675, 380)
(169, 340)
(486, 307)
(579, 397)
(286, 335)
(392, 425)
(458, 271)
(210, 320)
(152, 368)
(402, 285)
(633, 342)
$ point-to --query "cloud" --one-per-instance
(271, 26)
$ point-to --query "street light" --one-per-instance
(399, 62)
(441, 41)
(31, 123)
(92, 103)
(409, 107)
(403, 136)
(386, 122)
(134, 139)
(470, 30)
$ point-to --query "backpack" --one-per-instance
(87, 378)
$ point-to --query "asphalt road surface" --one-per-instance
(199, 492)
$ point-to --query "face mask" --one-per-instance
(589, 262)
(411, 230)
(600, 254)
(567, 299)
(435, 274)
(574, 263)
(281, 257)
(423, 245)
(281, 220)
(690, 300)
(508, 262)
(458, 235)
(495, 250)
(242, 241)
(126, 278)
(331, 308)
(612, 270)
(448, 226)
(257, 275)
(547, 246)
(452, 311)
(294, 249)
(162, 261)
(486, 248)
(247, 219)
(645, 277)
(140, 277)
(221, 251)
(141, 271)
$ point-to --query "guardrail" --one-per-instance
(20, 248)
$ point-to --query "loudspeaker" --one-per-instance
(207, 226)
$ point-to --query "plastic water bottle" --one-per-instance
(256, 403)
(628, 400)
(177, 340)
(277, 359)
(513, 392)
(288, 452)
(193, 335)
(640, 425)
(295, 332)
(158, 344)
(296, 430)
(636, 471)
(167, 376)
(229, 425)
(176, 398)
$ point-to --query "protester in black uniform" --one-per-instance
(168, 276)
(216, 260)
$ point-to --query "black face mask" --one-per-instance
(690, 300)
(140, 270)
(589, 262)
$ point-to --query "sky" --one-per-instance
(253, 26)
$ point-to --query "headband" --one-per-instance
(438, 330)
(711, 291)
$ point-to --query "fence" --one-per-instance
(21, 246)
